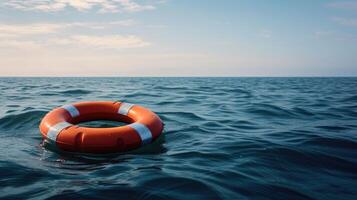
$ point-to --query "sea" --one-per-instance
(224, 138)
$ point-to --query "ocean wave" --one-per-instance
(269, 110)
(75, 92)
(23, 120)
(155, 188)
(224, 138)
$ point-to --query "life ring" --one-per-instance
(59, 126)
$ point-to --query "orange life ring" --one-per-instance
(59, 127)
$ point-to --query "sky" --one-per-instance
(178, 38)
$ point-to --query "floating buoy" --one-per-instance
(59, 127)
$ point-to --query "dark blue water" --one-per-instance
(225, 138)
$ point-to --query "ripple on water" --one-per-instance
(225, 138)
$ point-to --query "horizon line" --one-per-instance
(243, 76)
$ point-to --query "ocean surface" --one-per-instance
(224, 138)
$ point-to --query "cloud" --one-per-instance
(20, 44)
(28, 29)
(36, 35)
(107, 42)
(113, 42)
(347, 5)
(335, 35)
(103, 6)
(265, 33)
(100, 25)
(131, 6)
(346, 21)
(16, 30)
(321, 34)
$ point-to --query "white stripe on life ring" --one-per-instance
(143, 131)
(56, 129)
(124, 108)
(73, 111)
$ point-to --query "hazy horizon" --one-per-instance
(159, 38)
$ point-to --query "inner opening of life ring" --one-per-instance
(100, 119)
(102, 123)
